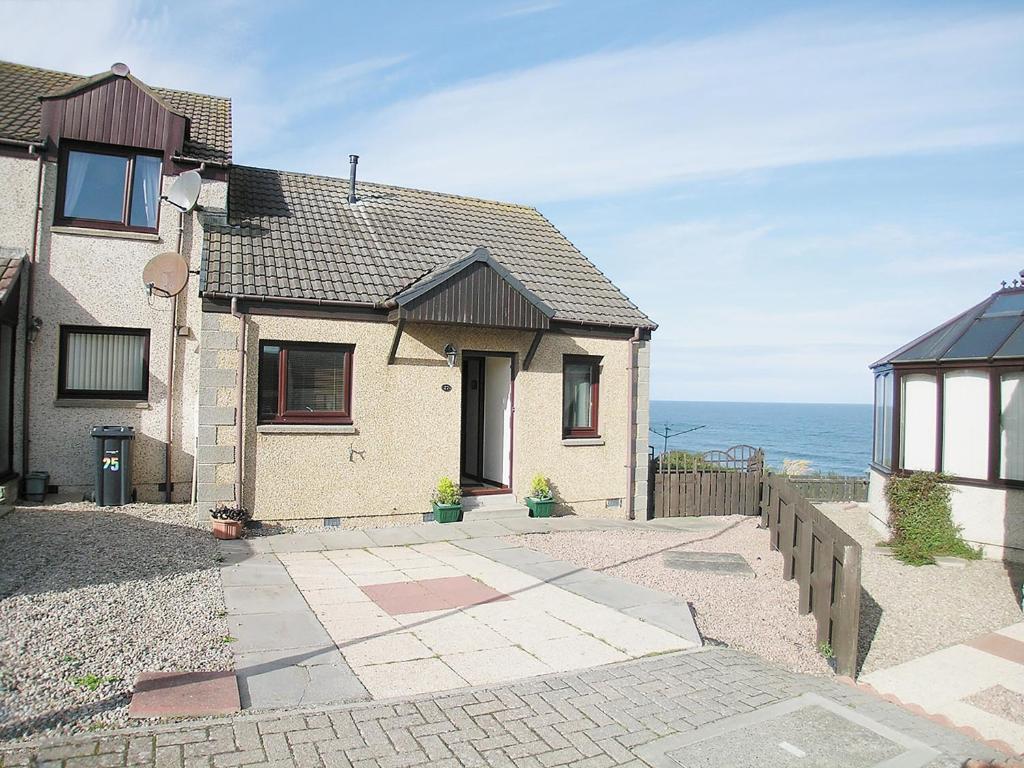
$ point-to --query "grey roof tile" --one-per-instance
(295, 235)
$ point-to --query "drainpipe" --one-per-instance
(29, 327)
(239, 399)
(630, 437)
(171, 343)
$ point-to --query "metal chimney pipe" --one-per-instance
(353, 161)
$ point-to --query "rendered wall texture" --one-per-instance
(406, 431)
(89, 279)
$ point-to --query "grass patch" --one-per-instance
(921, 520)
(93, 682)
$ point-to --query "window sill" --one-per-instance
(98, 402)
(117, 233)
(574, 441)
(307, 429)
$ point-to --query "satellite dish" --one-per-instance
(184, 192)
(166, 274)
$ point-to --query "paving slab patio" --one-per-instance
(440, 615)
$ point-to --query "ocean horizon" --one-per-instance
(833, 437)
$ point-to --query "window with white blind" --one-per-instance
(104, 362)
(918, 422)
(1011, 427)
(965, 416)
(303, 382)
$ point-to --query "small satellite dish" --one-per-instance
(184, 192)
(166, 274)
(120, 69)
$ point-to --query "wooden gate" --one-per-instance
(686, 484)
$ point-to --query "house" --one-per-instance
(952, 401)
(340, 345)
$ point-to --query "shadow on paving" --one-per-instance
(47, 549)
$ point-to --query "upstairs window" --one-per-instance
(304, 383)
(580, 382)
(98, 362)
(109, 188)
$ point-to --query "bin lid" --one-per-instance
(128, 433)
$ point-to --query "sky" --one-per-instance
(789, 189)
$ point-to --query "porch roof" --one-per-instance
(473, 290)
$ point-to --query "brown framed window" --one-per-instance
(108, 188)
(98, 362)
(305, 383)
(581, 378)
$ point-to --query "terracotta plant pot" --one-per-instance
(227, 529)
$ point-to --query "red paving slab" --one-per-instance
(999, 645)
(431, 594)
(184, 694)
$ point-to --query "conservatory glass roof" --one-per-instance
(991, 330)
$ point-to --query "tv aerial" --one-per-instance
(184, 192)
(166, 274)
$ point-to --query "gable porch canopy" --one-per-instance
(473, 290)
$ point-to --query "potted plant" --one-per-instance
(447, 501)
(541, 500)
(228, 521)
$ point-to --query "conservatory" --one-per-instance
(952, 401)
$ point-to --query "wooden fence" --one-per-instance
(823, 559)
(712, 483)
(815, 488)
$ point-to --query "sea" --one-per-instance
(833, 437)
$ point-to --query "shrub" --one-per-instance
(237, 514)
(921, 519)
(687, 460)
(447, 492)
(540, 488)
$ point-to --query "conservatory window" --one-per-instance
(918, 417)
(965, 414)
(1011, 427)
(882, 453)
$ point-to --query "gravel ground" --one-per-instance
(756, 613)
(907, 611)
(86, 592)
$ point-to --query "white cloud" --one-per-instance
(801, 90)
(527, 9)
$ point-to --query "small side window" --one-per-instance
(581, 378)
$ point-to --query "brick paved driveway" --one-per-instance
(596, 717)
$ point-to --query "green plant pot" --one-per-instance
(539, 507)
(447, 513)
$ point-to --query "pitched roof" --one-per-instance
(21, 88)
(991, 330)
(11, 262)
(295, 236)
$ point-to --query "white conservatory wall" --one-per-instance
(992, 518)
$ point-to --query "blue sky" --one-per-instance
(789, 189)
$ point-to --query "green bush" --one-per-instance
(687, 460)
(921, 519)
(447, 492)
(540, 487)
